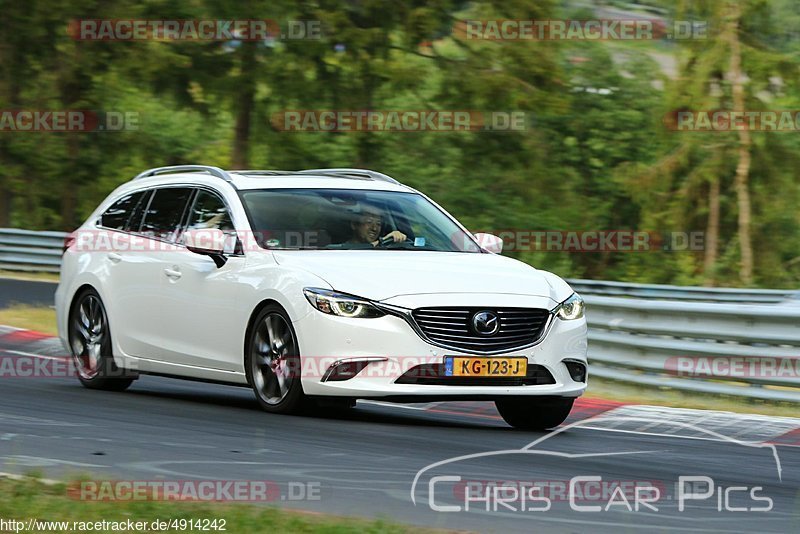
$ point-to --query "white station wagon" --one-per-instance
(320, 285)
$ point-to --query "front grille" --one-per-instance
(452, 327)
(432, 374)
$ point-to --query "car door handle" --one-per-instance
(172, 273)
(114, 257)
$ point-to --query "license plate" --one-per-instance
(461, 366)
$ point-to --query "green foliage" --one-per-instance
(595, 154)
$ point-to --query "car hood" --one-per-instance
(383, 274)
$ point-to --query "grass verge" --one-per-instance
(24, 275)
(39, 318)
(628, 393)
(29, 498)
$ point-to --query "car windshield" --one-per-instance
(343, 219)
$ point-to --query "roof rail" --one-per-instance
(362, 173)
(263, 172)
(214, 171)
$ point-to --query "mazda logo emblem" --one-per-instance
(485, 323)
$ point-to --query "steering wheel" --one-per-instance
(387, 241)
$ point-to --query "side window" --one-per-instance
(209, 212)
(117, 216)
(135, 221)
(164, 214)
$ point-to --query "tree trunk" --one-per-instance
(741, 181)
(5, 206)
(69, 193)
(712, 234)
(12, 63)
(367, 143)
(245, 102)
(6, 193)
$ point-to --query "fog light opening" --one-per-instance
(577, 370)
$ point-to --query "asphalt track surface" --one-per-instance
(26, 292)
(365, 461)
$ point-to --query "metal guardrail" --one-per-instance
(638, 333)
(727, 349)
(684, 293)
(27, 250)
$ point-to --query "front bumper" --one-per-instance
(395, 347)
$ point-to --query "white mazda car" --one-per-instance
(320, 285)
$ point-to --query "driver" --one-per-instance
(367, 227)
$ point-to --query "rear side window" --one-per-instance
(117, 216)
(165, 212)
(135, 222)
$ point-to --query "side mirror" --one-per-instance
(490, 243)
(207, 242)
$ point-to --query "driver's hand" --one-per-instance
(397, 235)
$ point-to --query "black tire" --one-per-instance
(272, 362)
(528, 413)
(90, 345)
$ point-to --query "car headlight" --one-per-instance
(340, 304)
(572, 308)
